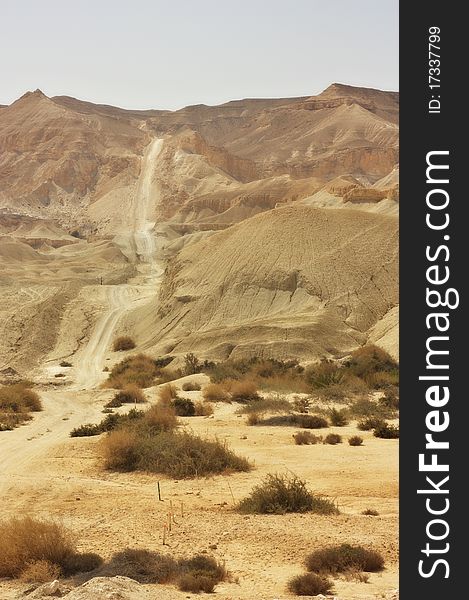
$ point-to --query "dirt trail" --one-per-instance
(66, 407)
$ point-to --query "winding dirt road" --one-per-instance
(68, 406)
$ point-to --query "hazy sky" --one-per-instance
(168, 54)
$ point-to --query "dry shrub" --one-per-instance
(200, 574)
(40, 571)
(131, 393)
(167, 393)
(214, 392)
(145, 566)
(191, 386)
(86, 430)
(324, 374)
(337, 559)
(244, 391)
(203, 409)
(123, 343)
(301, 405)
(177, 454)
(355, 440)
(82, 563)
(197, 582)
(333, 439)
(297, 420)
(270, 404)
(253, 419)
(371, 359)
(371, 512)
(120, 450)
(16, 402)
(390, 399)
(386, 432)
(370, 423)
(306, 438)
(160, 417)
(25, 540)
(280, 494)
(338, 417)
(356, 575)
(65, 363)
(140, 369)
(309, 584)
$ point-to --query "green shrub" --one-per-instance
(139, 369)
(309, 584)
(386, 431)
(279, 494)
(337, 559)
(86, 430)
(192, 364)
(184, 407)
(355, 440)
(338, 417)
(333, 439)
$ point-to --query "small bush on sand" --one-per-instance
(123, 343)
(306, 438)
(364, 407)
(387, 432)
(203, 409)
(192, 364)
(370, 423)
(184, 407)
(371, 512)
(309, 584)
(86, 430)
(140, 369)
(167, 393)
(337, 559)
(390, 399)
(333, 439)
(16, 402)
(145, 566)
(244, 391)
(81, 563)
(191, 386)
(279, 494)
(177, 454)
(296, 420)
(371, 359)
(301, 405)
(355, 440)
(65, 363)
(214, 392)
(324, 374)
(40, 571)
(269, 404)
(338, 417)
(200, 574)
(253, 419)
(131, 393)
(32, 545)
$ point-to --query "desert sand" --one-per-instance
(214, 230)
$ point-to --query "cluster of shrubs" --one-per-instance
(381, 429)
(280, 494)
(331, 561)
(17, 402)
(38, 551)
(303, 438)
(140, 370)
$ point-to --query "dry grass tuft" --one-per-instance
(215, 392)
(309, 584)
(123, 343)
(338, 559)
(17, 401)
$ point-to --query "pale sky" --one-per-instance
(169, 54)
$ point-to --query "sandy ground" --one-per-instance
(46, 473)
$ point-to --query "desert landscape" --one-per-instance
(199, 308)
